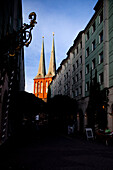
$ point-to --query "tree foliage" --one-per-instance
(23, 105)
(62, 111)
(97, 106)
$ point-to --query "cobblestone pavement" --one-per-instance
(57, 153)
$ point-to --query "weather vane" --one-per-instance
(24, 36)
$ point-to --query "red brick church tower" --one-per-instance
(42, 80)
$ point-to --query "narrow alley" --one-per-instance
(57, 152)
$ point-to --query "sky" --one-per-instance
(66, 18)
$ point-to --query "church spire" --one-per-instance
(52, 64)
(41, 69)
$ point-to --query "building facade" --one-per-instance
(43, 80)
(91, 51)
(12, 77)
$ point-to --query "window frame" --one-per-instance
(101, 17)
(93, 27)
(101, 37)
(87, 35)
(87, 52)
(87, 68)
(93, 64)
(101, 78)
(87, 86)
(101, 58)
(93, 45)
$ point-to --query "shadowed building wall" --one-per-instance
(12, 77)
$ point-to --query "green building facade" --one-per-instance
(110, 43)
(94, 50)
(99, 51)
(96, 59)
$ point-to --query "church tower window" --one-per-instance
(41, 87)
(38, 86)
(46, 87)
(35, 87)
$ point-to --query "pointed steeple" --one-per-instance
(52, 64)
(41, 69)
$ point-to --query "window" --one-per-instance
(87, 52)
(35, 87)
(80, 59)
(93, 45)
(93, 80)
(101, 37)
(67, 74)
(64, 77)
(81, 74)
(101, 17)
(101, 78)
(46, 87)
(41, 87)
(77, 50)
(74, 54)
(73, 80)
(66, 87)
(101, 58)
(81, 45)
(65, 65)
(93, 27)
(76, 92)
(87, 36)
(87, 69)
(80, 90)
(73, 67)
(87, 86)
(77, 78)
(73, 93)
(38, 86)
(77, 64)
(93, 64)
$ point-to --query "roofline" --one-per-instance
(76, 39)
(96, 8)
(98, 4)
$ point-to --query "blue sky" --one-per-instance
(66, 18)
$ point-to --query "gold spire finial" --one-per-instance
(43, 37)
(53, 33)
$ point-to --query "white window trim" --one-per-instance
(100, 58)
(87, 52)
(93, 64)
(100, 38)
(35, 87)
(38, 86)
(93, 45)
(87, 70)
(87, 86)
(100, 78)
(41, 87)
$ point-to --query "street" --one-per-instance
(57, 152)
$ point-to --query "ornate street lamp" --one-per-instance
(13, 42)
(23, 37)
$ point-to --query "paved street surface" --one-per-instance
(57, 153)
